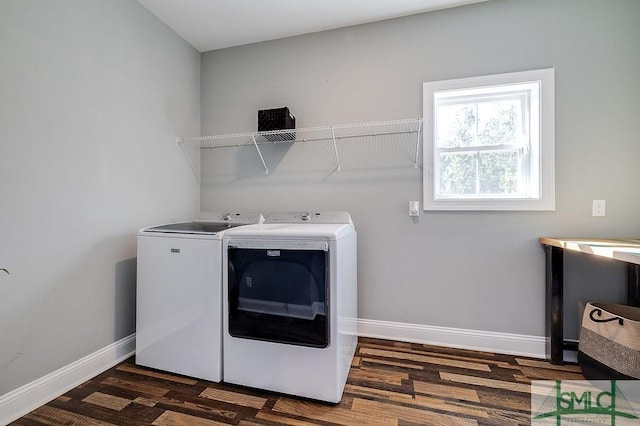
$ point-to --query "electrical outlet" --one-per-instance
(599, 207)
(414, 208)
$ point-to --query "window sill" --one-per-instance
(490, 205)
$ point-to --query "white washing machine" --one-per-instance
(290, 304)
(179, 294)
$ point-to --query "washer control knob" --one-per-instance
(305, 216)
(226, 216)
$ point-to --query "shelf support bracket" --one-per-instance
(415, 162)
(266, 170)
(335, 147)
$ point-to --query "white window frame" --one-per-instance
(541, 147)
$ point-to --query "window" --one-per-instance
(489, 142)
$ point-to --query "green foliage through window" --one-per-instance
(493, 123)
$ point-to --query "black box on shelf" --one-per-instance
(277, 119)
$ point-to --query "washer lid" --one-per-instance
(206, 228)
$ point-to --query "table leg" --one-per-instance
(633, 284)
(554, 266)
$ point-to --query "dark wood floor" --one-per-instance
(390, 383)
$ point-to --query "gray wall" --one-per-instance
(470, 270)
(92, 96)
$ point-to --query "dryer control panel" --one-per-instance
(232, 217)
(309, 217)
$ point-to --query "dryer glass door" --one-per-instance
(279, 295)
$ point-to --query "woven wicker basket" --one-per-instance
(609, 346)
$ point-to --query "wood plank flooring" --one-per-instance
(390, 383)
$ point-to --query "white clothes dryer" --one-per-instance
(179, 294)
(290, 304)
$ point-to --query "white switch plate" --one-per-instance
(414, 208)
(599, 208)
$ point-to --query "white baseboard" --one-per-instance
(505, 343)
(21, 401)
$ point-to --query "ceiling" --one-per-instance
(216, 24)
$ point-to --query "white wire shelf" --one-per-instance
(412, 128)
